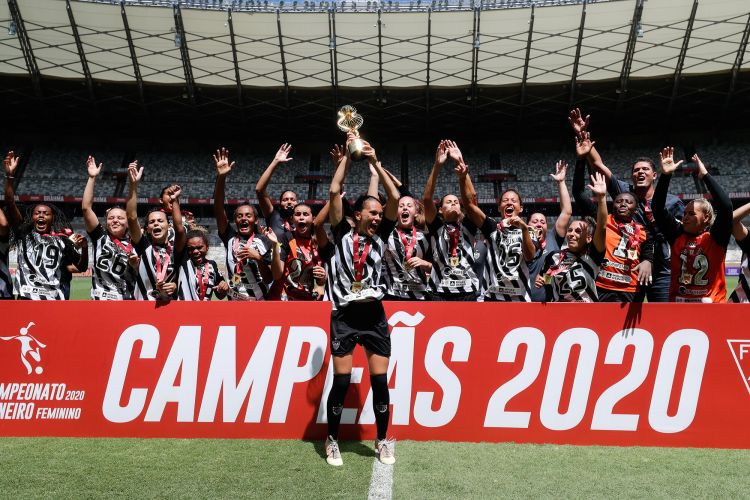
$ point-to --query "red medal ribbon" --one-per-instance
(455, 236)
(309, 251)
(558, 268)
(127, 249)
(162, 266)
(240, 263)
(359, 262)
(634, 240)
(202, 281)
(408, 248)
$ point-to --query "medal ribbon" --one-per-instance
(162, 266)
(634, 240)
(559, 268)
(127, 249)
(455, 236)
(240, 263)
(202, 281)
(309, 251)
(359, 262)
(408, 247)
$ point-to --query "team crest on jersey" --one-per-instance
(741, 353)
(31, 349)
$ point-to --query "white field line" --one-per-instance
(381, 481)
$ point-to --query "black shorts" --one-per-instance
(362, 323)
(606, 295)
(461, 297)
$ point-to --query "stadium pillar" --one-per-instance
(737, 65)
(681, 60)
(333, 56)
(28, 53)
(577, 59)
(184, 54)
(525, 77)
(427, 76)
(133, 57)
(81, 52)
(283, 58)
(475, 60)
(237, 79)
(627, 61)
(381, 98)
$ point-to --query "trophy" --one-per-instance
(350, 121)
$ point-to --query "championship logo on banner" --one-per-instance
(653, 374)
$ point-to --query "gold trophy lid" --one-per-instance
(348, 119)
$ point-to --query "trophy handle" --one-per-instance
(355, 149)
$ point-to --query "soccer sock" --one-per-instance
(381, 399)
(335, 403)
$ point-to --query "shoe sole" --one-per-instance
(334, 462)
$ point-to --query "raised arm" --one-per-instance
(585, 206)
(580, 127)
(428, 198)
(739, 231)
(665, 222)
(468, 197)
(390, 211)
(372, 187)
(598, 186)
(87, 204)
(131, 207)
(566, 207)
(223, 167)
(282, 156)
(179, 228)
(722, 227)
(11, 165)
(335, 203)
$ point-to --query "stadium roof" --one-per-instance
(507, 61)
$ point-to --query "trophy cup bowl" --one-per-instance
(351, 121)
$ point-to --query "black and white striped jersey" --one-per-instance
(570, 277)
(6, 286)
(342, 287)
(41, 260)
(742, 292)
(198, 281)
(452, 275)
(155, 259)
(506, 274)
(245, 279)
(401, 280)
(112, 278)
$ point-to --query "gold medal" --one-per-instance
(547, 279)
(454, 261)
(632, 254)
(357, 286)
(686, 278)
(406, 265)
(236, 279)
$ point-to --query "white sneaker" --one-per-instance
(386, 449)
(333, 454)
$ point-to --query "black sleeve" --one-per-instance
(647, 249)
(489, 226)
(268, 245)
(667, 224)
(142, 245)
(340, 230)
(71, 255)
(227, 235)
(722, 228)
(385, 228)
(596, 255)
(217, 272)
(744, 244)
(615, 186)
(97, 233)
(404, 191)
(435, 225)
(585, 206)
(276, 223)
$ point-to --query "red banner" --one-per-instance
(658, 375)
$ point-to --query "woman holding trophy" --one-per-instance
(356, 290)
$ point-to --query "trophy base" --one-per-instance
(355, 149)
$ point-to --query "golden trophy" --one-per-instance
(350, 121)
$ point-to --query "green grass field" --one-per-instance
(199, 468)
(80, 288)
